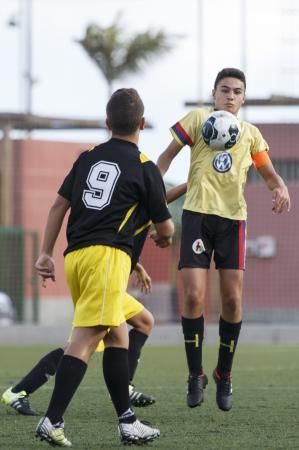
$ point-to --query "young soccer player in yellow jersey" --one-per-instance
(214, 222)
(103, 190)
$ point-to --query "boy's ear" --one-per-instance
(142, 123)
(108, 123)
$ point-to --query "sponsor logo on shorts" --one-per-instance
(198, 246)
(222, 162)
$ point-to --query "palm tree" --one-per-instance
(116, 55)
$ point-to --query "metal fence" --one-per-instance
(18, 281)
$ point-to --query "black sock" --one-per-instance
(229, 334)
(116, 375)
(40, 373)
(69, 375)
(193, 334)
(136, 342)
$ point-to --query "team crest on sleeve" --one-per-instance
(222, 162)
(198, 246)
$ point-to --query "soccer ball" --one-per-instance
(221, 130)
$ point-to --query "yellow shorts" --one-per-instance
(131, 308)
(98, 278)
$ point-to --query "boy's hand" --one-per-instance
(143, 279)
(161, 242)
(280, 199)
(45, 267)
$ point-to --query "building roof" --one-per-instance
(273, 100)
(20, 121)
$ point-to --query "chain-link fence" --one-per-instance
(18, 281)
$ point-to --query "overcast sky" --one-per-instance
(69, 84)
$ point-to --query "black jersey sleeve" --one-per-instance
(142, 226)
(66, 188)
(138, 244)
(155, 193)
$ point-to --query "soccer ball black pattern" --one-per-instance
(221, 130)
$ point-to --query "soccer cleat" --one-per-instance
(137, 433)
(196, 385)
(224, 393)
(19, 401)
(138, 398)
(54, 435)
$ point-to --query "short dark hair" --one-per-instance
(232, 73)
(124, 111)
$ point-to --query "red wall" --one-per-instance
(273, 281)
(41, 168)
(282, 139)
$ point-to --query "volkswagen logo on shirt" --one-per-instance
(222, 162)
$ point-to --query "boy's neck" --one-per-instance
(134, 138)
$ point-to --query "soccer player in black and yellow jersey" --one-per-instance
(103, 190)
(137, 316)
(214, 222)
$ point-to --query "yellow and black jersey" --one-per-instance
(105, 188)
(143, 224)
(216, 178)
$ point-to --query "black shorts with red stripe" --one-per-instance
(205, 235)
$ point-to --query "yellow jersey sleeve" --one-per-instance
(188, 130)
(258, 143)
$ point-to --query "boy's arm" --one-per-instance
(45, 264)
(143, 278)
(163, 233)
(168, 155)
(280, 194)
(176, 192)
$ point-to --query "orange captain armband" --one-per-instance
(261, 159)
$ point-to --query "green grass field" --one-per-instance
(265, 413)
